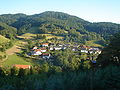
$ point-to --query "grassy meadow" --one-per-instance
(14, 59)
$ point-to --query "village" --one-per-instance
(44, 49)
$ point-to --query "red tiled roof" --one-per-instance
(37, 50)
(22, 66)
(42, 48)
(45, 54)
(45, 43)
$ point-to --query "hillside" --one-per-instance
(7, 31)
(70, 27)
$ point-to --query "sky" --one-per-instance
(90, 10)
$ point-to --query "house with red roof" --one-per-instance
(22, 66)
(45, 44)
(36, 52)
(43, 49)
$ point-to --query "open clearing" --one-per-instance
(31, 36)
(93, 43)
(49, 36)
(27, 36)
(15, 49)
(13, 58)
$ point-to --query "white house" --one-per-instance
(45, 44)
(57, 48)
(51, 48)
(91, 51)
(84, 50)
(36, 52)
(60, 45)
(43, 49)
(64, 47)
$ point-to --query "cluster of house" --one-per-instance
(45, 47)
(90, 50)
(42, 51)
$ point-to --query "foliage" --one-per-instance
(111, 54)
(5, 43)
(101, 79)
(67, 60)
(104, 29)
(7, 31)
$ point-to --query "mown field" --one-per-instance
(27, 36)
(32, 36)
(49, 36)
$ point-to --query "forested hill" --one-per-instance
(71, 27)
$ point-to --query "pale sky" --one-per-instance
(90, 10)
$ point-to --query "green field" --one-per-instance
(27, 36)
(93, 43)
(49, 36)
(31, 36)
(14, 59)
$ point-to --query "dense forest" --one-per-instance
(67, 70)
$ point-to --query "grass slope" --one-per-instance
(49, 36)
(14, 59)
(93, 43)
(31, 36)
(27, 36)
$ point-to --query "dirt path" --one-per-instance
(13, 50)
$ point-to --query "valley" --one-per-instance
(58, 51)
